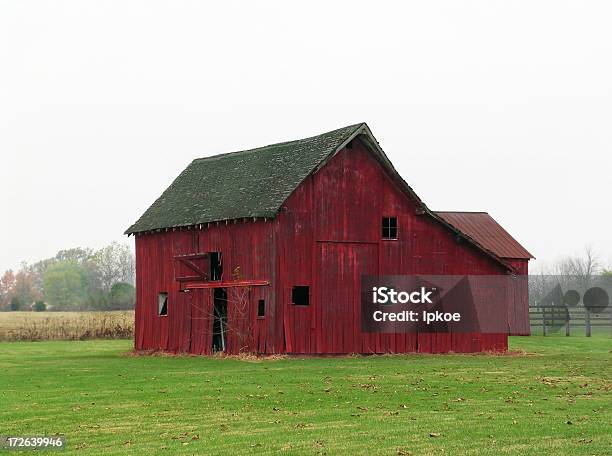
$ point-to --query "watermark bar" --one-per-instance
(475, 303)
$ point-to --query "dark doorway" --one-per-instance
(216, 266)
(219, 336)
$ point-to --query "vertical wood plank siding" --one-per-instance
(326, 235)
(518, 312)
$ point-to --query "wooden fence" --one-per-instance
(568, 321)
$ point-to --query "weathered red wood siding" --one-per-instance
(518, 310)
(326, 236)
(188, 325)
(329, 235)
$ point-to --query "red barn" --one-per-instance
(262, 251)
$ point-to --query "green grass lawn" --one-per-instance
(554, 399)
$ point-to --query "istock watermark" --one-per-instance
(387, 295)
(428, 303)
(482, 304)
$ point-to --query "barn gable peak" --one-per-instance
(255, 183)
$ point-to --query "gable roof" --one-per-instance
(483, 229)
(256, 182)
(250, 183)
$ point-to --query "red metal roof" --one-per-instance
(483, 229)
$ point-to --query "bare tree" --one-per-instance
(115, 263)
(578, 272)
(581, 268)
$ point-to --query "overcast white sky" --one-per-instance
(483, 105)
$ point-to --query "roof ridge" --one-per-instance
(352, 128)
(462, 212)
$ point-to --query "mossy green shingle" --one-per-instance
(250, 183)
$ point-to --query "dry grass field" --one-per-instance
(34, 326)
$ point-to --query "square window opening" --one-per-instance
(300, 296)
(389, 227)
(261, 308)
(162, 304)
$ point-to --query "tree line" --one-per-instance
(74, 279)
(585, 266)
(577, 272)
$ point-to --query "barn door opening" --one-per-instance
(219, 339)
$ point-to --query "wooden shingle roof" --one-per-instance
(250, 183)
